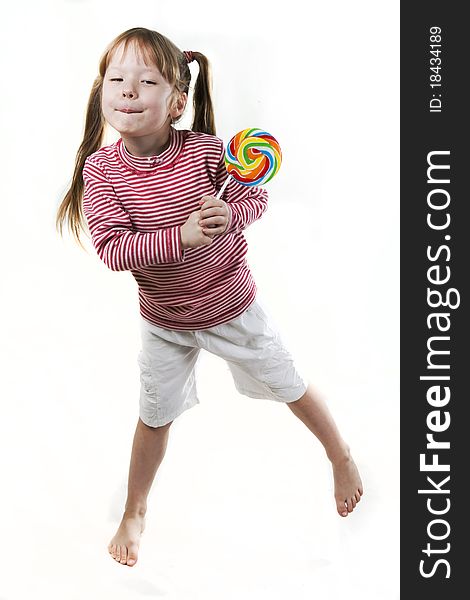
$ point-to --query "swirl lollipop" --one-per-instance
(253, 157)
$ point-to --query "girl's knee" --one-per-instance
(160, 427)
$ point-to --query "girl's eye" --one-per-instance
(145, 80)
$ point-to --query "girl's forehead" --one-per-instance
(132, 54)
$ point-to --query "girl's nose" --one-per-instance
(128, 94)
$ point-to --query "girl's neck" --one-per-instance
(147, 145)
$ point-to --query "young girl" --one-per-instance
(149, 202)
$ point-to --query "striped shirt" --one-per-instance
(134, 207)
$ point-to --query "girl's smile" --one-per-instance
(129, 111)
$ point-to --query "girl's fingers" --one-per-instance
(212, 212)
(211, 201)
(212, 230)
(212, 221)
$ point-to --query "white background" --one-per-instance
(242, 506)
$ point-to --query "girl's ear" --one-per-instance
(178, 105)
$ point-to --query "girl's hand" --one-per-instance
(192, 235)
(215, 215)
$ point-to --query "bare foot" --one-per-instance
(348, 485)
(124, 546)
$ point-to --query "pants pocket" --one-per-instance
(146, 378)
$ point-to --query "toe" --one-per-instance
(341, 507)
(118, 553)
(353, 502)
(123, 555)
(357, 495)
(132, 556)
(131, 560)
(349, 504)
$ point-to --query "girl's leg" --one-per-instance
(314, 413)
(148, 450)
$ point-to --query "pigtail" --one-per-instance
(202, 101)
(70, 209)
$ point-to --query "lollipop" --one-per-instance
(253, 157)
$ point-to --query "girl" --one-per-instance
(149, 202)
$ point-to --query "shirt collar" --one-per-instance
(146, 165)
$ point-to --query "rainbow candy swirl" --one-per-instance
(253, 157)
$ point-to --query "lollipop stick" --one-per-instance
(221, 191)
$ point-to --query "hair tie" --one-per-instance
(188, 55)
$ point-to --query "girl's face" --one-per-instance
(136, 98)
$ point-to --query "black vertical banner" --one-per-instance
(435, 268)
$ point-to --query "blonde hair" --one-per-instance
(171, 62)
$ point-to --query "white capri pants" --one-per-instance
(260, 364)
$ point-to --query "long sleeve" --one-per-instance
(117, 243)
(246, 204)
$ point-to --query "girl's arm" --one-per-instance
(246, 204)
(118, 245)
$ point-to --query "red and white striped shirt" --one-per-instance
(135, 206)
